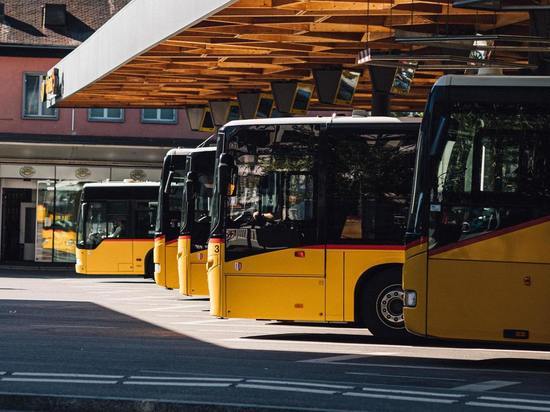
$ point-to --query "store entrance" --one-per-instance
(18, 225)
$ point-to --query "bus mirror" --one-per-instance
(168, 182)
(227, 174)
(232, 187)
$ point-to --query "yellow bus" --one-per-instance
(195, 222)
(116, 228)
(170, 197)
(308, 220)
(477, 260)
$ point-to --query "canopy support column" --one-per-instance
(382, 80)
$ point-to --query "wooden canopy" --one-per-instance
(246, 44)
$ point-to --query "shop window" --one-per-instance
(167, 116)
(33, 108)
(105, 115)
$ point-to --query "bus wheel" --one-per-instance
(149, 267)
(382, 307)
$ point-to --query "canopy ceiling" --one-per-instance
(213, 49)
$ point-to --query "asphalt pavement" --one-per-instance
(129, 343)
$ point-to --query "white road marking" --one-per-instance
(333, 359)
(178, 378)
(416, 367)
(508, 406)
(145, 298)
(160, 383)
(57, 326)
(405, 376)
(68, 375)
(49, 380)
(485, 386)
(400, 398)
(445, 395)
(496, 398)
(3, 373)
(163, 308)
(285, 388)
(318, 385)
(200, 322)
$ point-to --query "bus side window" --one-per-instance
(368, 186)
(144, 221)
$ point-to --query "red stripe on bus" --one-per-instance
(169, 242)
(186, 237)
(216, 240)
(487, 236)
(417, 242)
(355, 247)
(127, 240)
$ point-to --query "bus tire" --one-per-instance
(381, 309)
(149, 267)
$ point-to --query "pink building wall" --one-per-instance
(12, 71)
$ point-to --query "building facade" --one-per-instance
(46, 155)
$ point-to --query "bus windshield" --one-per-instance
(101, 220)
(202, 164)
(273, 206)
(171, 195)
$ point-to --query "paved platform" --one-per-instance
(127, 340)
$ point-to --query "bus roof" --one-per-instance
(321, 120)
(180, 151)
(493, 81)
(120, 184)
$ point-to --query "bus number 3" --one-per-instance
(216, 248)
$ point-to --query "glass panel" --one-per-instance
(167, 114)
(45, 200)
(32, 98)
(175, 199)
(368, 186)
(150, 114)
(493, 171)
(49, 112)
(97, 113)
(274, 203)
(114, 113)
(67, 197)
(96, 224)
(145, 213)
(107, 219)
(203, 165)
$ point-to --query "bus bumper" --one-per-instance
(216, 250)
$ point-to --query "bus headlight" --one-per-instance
(157, 267)
(409, 300)
(78, 262)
